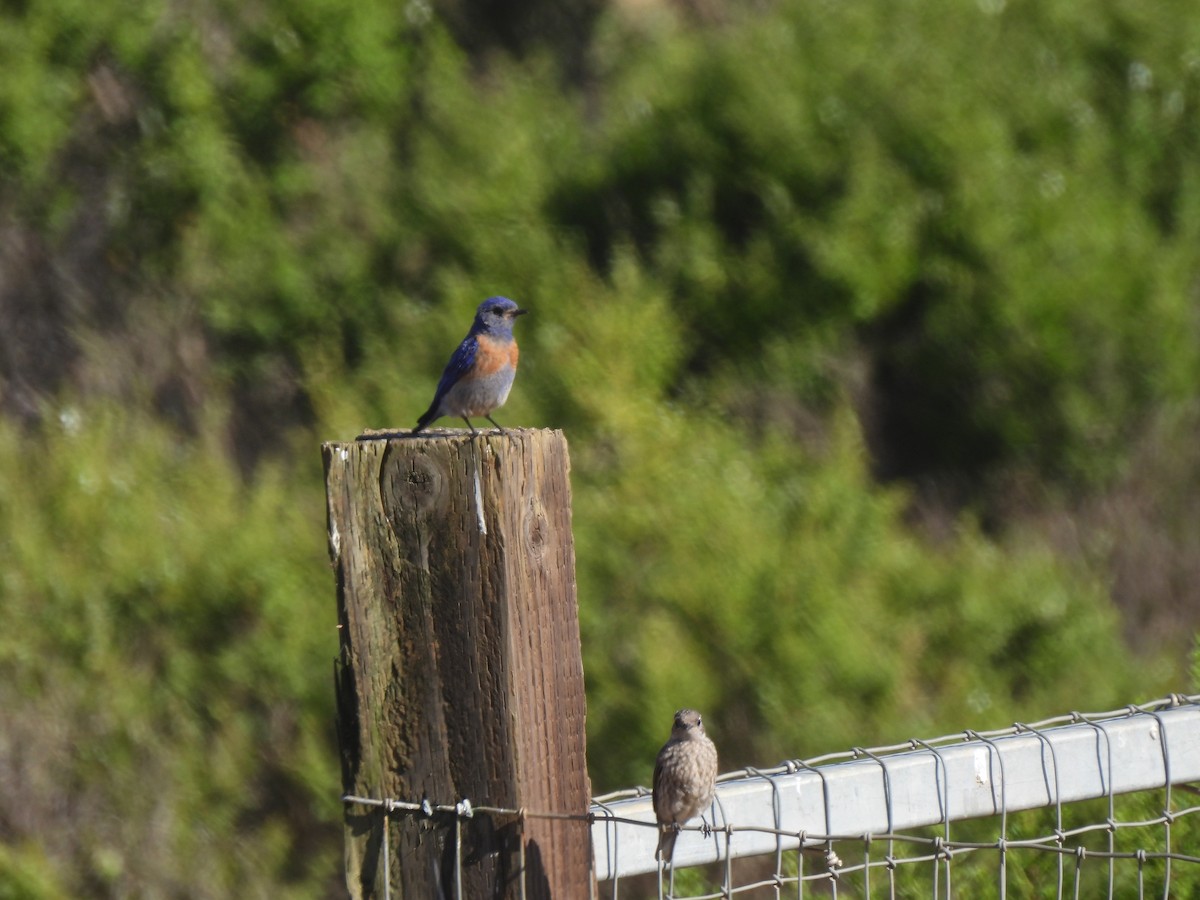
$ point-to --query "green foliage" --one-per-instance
(780, 590)
(856, 173)
(768, 261)
(25, 874)
(166, 667)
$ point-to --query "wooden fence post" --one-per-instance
(460, 673)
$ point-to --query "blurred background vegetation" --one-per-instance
(874, 328)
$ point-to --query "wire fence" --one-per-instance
(1079, 805)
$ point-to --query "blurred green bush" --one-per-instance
(165, 672)
(845, 309)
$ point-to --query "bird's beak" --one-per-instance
(519, 312)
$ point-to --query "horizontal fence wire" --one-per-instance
(1078, 805)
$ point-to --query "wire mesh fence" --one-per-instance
(1079, 805)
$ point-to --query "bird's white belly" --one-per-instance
(478, 396)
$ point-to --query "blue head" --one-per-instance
(495, 317)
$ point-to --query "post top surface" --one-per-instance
(440, 434)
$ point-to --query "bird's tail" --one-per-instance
(666, 843)
(429, 415)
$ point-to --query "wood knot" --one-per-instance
(537, 529)
(410, 483)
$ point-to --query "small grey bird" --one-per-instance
(685, 776)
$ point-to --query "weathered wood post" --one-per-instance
(460, 673)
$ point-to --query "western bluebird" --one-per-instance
(480, 372)
(685, 778)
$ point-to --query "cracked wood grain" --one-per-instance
(459, 673)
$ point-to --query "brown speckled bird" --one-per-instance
(685, 775)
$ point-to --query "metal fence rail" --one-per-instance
(918, 783)
(887, 813)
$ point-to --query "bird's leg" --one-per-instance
(469, 425)
(494, 422)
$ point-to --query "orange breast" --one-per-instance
(493, 356)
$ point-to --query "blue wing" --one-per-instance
(460, 364)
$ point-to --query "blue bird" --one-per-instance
(481, 371)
